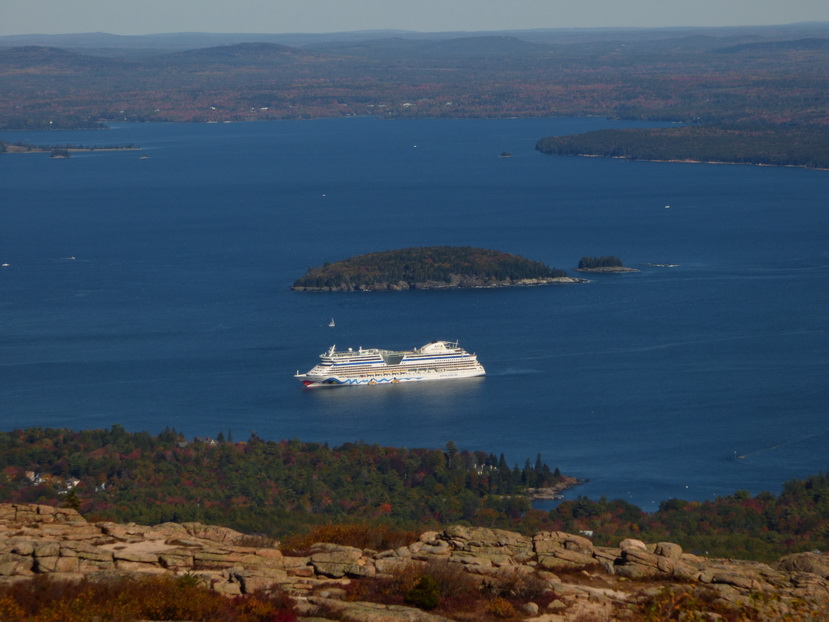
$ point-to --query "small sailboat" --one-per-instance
(331, 323)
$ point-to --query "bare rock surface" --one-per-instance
(583, 580)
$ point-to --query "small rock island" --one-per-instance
(430, 267)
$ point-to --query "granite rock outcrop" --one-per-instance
(585, 579)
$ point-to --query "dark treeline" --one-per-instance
(63, 122)
(745, 144)
(419, 265)
(763, 527)
(258, 486)
(21, 146)
(608, 261)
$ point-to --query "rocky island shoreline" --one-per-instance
(456, 281)
(608, 269)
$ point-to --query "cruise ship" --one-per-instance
(438, 360)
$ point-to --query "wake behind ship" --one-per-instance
(438, 360)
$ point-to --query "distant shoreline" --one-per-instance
(35, 149)
(432, 285)
(610, 269)
(692, 161)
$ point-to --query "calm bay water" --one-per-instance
(154, 292)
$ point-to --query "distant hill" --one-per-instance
(236, 54)
(191, 40)
(777, 46)
(469, 47)
(483, 47)
(772, 75)
(44, 59)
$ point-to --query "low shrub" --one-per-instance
(501, 608)
(425, 594)
(454, 581)
(43, 599)
(361, 536)
(517, 584)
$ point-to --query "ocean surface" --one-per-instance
(155, 292)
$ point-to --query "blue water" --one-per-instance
(154, 293)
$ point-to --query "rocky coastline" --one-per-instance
(581, 581)
(554, 492)
(456, 282)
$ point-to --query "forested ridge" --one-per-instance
(420, 265)
(733, 144)
(271, 487)
(288, 486)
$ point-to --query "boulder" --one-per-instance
(815, 563)
(484, 540)
(632, 543)
(22, 547)
(334, 560)
(669, 550)
(738, 580)
(546, 542)
(85, 551)
(46, 549)
(46, 564)
(224, 535)
(139, 567)
(251, 579)
(67, 565)
(562, 558)
(176, 559)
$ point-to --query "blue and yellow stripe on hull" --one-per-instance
(338, 382)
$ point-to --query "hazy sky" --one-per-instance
(130, 17)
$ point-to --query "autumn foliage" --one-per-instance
(43, 599)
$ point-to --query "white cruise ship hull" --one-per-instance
(439, 360)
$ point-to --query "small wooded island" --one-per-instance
(608, 263)
(430, 267)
